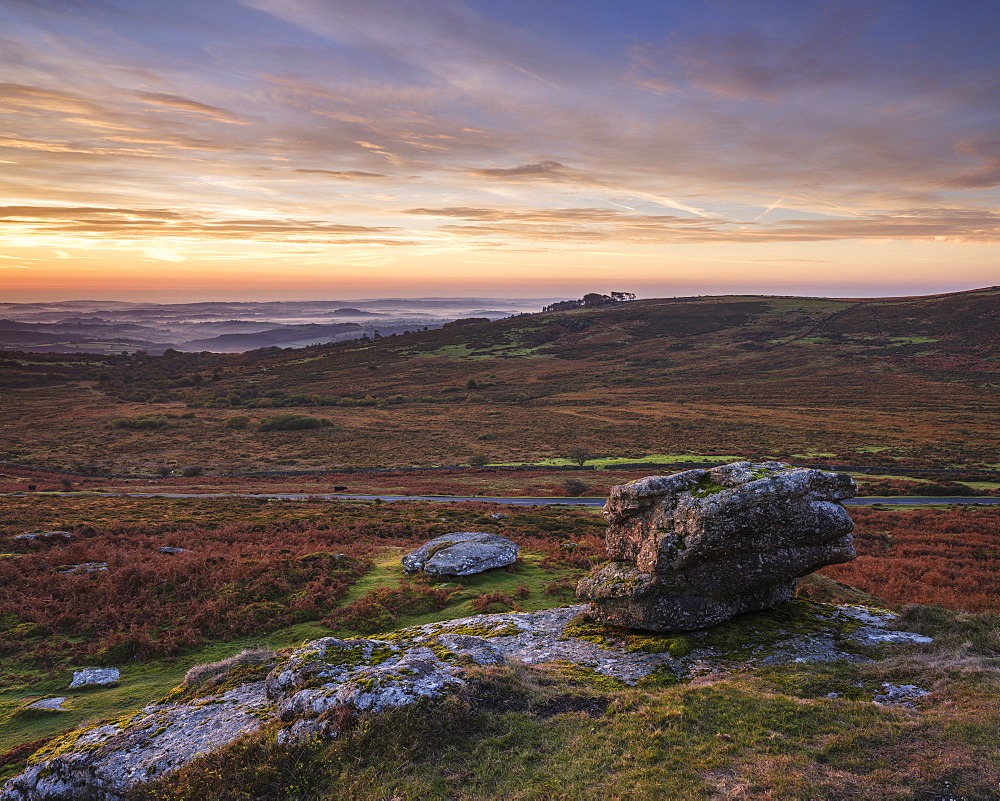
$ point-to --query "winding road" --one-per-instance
(903, 500)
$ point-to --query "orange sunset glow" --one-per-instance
(280, 149)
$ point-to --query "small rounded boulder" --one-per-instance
(463, 553)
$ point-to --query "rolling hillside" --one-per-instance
(910, 381)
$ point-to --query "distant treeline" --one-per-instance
(592, 300)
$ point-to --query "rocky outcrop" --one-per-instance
(95, 677)
(314, 690)
(463, 553)
(57, 704)
(699, 547)
(104, 761)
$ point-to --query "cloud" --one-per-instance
(85, 212)
(345, 174)
(565, 215)
(598, 225)
(876, 118)
(164, 254)
(34, 99)
(191, 107)
(541, 169)
(139, 224)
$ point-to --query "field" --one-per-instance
(891, 385)
(902, 394)
(277, 573)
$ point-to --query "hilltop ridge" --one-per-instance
(910, 381)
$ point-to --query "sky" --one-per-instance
(303, 149)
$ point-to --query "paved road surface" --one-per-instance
(908, 500)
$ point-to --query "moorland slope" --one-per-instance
(891, 382)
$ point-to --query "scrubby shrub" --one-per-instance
(940, 556)
(575, 487)
(238, 423)
(233, 581)
(495, 602)
(379, 609)
(216, 671)
(293, 422)
(478, 459)
(146, 422)
(192, 470)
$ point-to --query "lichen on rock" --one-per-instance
(699, 547)
(311, 691)
(463, 553)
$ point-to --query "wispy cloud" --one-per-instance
(191, 107)
(455, 125)
(344, 174)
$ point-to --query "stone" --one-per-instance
(463, 553)
(95, 677)
(900, 695)
(696, 548)
(86, 567)
(51, 704)
(44, 535)
(311, 691)
(169, 549)
(105, 761)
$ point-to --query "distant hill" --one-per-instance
(285, 336)
(114, 327)
(750, 348)
(889, 382)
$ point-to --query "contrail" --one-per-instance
(772, 207)
(531, 74)
(833, 205)
(673, 204)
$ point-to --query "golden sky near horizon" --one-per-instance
(291, 149)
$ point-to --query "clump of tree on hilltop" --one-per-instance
(592, 300)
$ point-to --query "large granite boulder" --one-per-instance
(696, 548)
(463, 553)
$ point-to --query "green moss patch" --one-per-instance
(582, 627)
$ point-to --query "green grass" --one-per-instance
(476, 353)
(388, 572)
(143, 683)
(525, 733)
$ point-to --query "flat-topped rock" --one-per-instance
(699, 547)
(51, 704)
(95, 677)
(463, 553)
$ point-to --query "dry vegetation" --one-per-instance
(773, 735)
(894, 386)
(944, 557)
(807, 379)
(247, 566)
